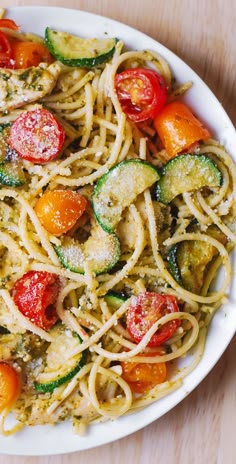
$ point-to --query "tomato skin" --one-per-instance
(142, 93)
(178, 128)
(59, 210)
(141, 377)
(35, 295)
(9, 385)
(145, 310)
(27, 54)
(6, 56)
(37, 136)
(9, 24)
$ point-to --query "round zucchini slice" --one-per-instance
(118, 188)
(59, 366)
(188, 262)
(186, 173)
(101, 250)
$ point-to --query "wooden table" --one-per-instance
(201, 428)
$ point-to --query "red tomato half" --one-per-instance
(145, 310)
(9, 24)
(5, 52)
(142, 93)
(37, 136)
(35, 294)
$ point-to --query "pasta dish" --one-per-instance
(117, 217)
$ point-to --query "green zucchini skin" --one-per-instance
(11, 167)
(115, 299)
(173, 264)
(71, 50)
(118, 188)
(186, 173)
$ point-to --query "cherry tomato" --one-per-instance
(35, 295)
(59, 210)
(9, 24)
(37, 136)
(145, 310)
(178, 128)
(6, 60)
(141, 377)
(9, 385)
(142, 93)
(27, 54)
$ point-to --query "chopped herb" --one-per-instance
(4, 331)
(24, 76)
(4, 77)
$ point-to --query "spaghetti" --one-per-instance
(92, 308)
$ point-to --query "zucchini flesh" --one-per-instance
(186, 173)
(114, 299)
(101, 250)
(118, 188)
(75, 51)
(60, 367)
(11, 167)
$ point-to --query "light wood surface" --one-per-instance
(202, 428)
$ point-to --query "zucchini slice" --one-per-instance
(75, 51)
(102, 250)
(186, 173)
(188, 260)
(60, 367)
(11, 167)
(118, 188)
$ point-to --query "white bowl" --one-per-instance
(44, 440)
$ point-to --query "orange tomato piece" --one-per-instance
(27, 54)
(9, 385)
(141, 377)
(59, 210)
(178, 128)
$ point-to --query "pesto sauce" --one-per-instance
(31, 77)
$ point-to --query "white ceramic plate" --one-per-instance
(45, 440)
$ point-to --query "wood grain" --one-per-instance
(201, 429)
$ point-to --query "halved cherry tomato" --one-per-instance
(8, 24)
(6, 60)
(37, 136)
(59, 210)
(27, 54)
(145, 310)
(141, 377)
(9, 385)
(142, 93)
(178, 128)
(35, 295)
